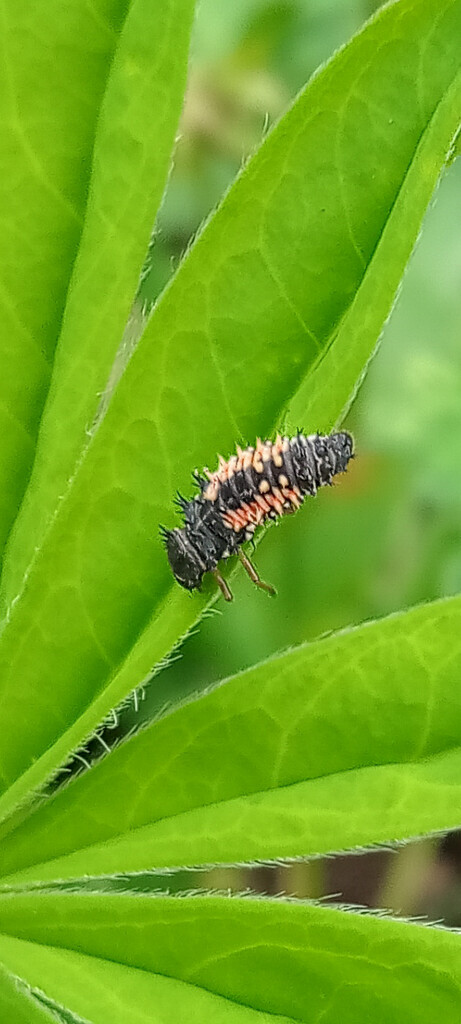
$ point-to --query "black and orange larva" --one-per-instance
(251, 487)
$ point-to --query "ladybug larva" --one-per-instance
(253, 486)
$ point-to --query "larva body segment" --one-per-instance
(253, 486)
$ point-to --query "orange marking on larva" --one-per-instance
(276, 452)
(275, 504)
(233, 520)
(247, 458)
(223, 472)
(212, 491)
(239, 464)
(244, 512)
(249, 514)
(232, 466)
(255, 513)
(263, 504)
(290, 494)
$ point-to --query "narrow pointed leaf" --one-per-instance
(51, 99)
(49, 111)
(340, 743)
(305, 962)
(18, 1005)
(100, 991)
(117, 172)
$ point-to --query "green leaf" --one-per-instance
(82, 188)
(340, 743)
(45, 167)
(115, 88)
(19, 1005)
(307, 963)
(335, 378)
(263, 291)
(102, 991)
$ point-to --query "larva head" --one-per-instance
(186, 566)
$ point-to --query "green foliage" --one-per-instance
(273, 762)
(269, 320)
(260, 956)
(19, 1004)
(90, 119)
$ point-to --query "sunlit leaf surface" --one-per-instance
(344, 742)
(263, 291)
(90, 95)
(301, 962)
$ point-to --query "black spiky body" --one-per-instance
(253, 486)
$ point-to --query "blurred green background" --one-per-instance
(389, 535)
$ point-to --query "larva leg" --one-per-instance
(222, 585)
(250, 569)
